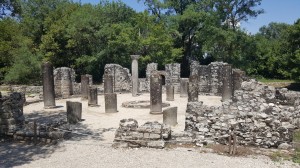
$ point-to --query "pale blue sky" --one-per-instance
(285, 11)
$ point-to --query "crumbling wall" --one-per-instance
(121, 77)
(172, 76)
(11, 113)
(64, 79)
(254, 120)
(150, 134)
(210, 77)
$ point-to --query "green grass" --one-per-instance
(296, 140)
(264, 80)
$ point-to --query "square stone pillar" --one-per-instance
(48, 85)
(110, 103)
(193, 88)
(170, 116)
(155, 93)
(169, 92)
(135, 74)
(74, 112)
(93, 96)
(227, 89)
(108, 83)
(184, 87)
(84, 87)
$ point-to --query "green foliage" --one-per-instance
(9, 38)
(86, 37)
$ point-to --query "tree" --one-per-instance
(233, 12)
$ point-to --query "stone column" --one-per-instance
(48, 85)
(74, 112)
(108, 83)
(110, 103)
(170, 116)
(155, 93)
(84, 87)
(193, 88)
(66, 84)
(183, 88)
(93, 96)
(169, 93)
(135, 74)
(227, 90)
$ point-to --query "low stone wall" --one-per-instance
(23, 89)
(150, 134)
(13, 123)
(11, 113)
(254, 120)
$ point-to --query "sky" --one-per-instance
(283, 11)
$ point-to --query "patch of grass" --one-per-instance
(224, 149)
(264, 80)
(279, 156)
(296, 144)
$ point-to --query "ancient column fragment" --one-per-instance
(74, 112)
(193, 88)
(183, 88)
(169, 92)
(93, 96)
(227, 91)
(84, 87)
(110, 103)
(135, 74)
(108, 84)
(170, 116)
(155, 93)
(48, 85)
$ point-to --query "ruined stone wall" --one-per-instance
(172, 76)
(255, 121)
(121, 77)
(150, 134)
(23, 89)
(11, 113)
(211, 77)
(64, 79)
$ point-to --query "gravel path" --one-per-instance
(94, 154)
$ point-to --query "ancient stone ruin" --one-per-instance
(64, 81)
(150, 134)
(121, 77)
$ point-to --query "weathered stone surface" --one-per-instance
(172, 76)
(135, 74)
(108, 83)
(84, 87)
(48, 85)
(155, 93)
(11, 112)
(227, 88)
(194, 68)
(152, 67)
(150, 134)
(64, 80)
(74, 112)
(110, 103)
(184, 87)
(93, 96)
(170, 116)
(121, 77)
(193, 89)
(255, 121)
(169, 93)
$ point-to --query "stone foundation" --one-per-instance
(150, 134)
(249, 115)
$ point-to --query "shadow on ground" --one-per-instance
(16, 154)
